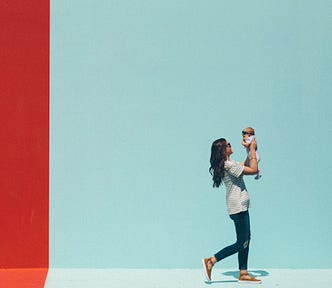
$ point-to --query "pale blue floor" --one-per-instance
(176, 278)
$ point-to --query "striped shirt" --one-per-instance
(237, 197)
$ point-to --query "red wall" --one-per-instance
(24, 133)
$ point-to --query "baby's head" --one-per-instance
(248, 132)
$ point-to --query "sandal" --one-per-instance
(246, 278)
(207, 265)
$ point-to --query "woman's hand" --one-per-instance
(253, 145)
(253, 164)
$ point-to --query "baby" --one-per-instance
(247, 136)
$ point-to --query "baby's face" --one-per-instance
(246, 135)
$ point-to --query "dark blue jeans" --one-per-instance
(241, 246)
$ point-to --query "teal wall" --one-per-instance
(140, 89)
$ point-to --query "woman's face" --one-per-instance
(228, 148)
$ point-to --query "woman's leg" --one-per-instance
(242, 228)
(243, 254)
(244, 235)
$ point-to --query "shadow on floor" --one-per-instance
(255, 273)
(235, 275)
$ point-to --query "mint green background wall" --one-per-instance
(140, 89)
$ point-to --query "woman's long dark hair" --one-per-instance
(217, 161)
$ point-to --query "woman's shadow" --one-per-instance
(235, 275)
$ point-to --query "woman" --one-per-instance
(225, 170)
